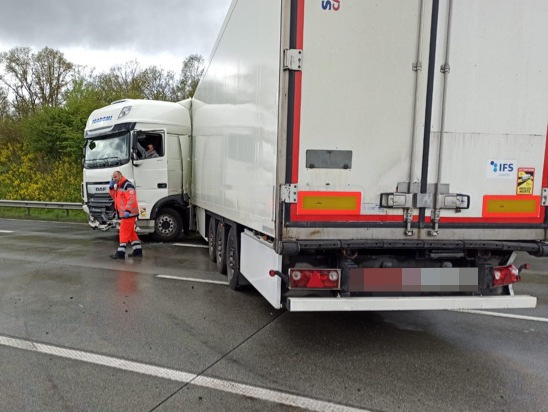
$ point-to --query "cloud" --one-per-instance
(139, 27)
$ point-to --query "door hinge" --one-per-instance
(445, 68)
(417, 66)
(288, 193)
(293, 59)
(544, 201)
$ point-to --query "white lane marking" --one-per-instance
(272, 395)
(503, 315)
(98, 359)
(216, 282)
(190, 245)
(6, 231)
(179, 376)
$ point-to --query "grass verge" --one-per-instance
(43, 214)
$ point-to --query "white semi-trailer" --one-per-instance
(363, 155)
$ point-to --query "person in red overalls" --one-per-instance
(125, 203)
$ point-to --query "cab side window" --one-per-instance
(149, 146)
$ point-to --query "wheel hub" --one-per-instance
(165, 225)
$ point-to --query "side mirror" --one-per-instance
(135, 159)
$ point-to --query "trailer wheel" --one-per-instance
(211, 239)
(233, 259)
(220, 249)
(168, 225)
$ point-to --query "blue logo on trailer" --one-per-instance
(502, 167)
(334, 5)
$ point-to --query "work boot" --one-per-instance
(136, 253)
(118, 255)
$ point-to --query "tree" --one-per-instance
(53, 133)
(52, 72)
(4, 103)
(84, 95)
(193, 68)
(19, 79)
(157, 84)
(35, 79)
(11, 130)
(122, 81)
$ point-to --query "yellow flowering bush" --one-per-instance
(26, 175)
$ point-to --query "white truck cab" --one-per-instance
(115, 137)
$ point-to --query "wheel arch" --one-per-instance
(175, 202)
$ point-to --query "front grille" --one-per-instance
(101, 206)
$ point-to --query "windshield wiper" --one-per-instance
(113, 161)
(91, 163)
(104, 162)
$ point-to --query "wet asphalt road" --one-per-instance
(59, 291)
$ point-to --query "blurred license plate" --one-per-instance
(413, 280)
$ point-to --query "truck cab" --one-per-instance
(116, 138)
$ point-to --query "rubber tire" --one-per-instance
(175, 222)
(212, 239)
(233, 259)
(220, 248)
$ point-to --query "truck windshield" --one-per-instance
(107, 151)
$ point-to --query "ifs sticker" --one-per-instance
(501, 169)
(526, 181)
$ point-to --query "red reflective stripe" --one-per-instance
(299, 43)
(348, 218)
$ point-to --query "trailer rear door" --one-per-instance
(490, 109)
(417, 118)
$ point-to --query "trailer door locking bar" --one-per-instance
(437, 196)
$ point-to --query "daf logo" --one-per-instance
(101, 189)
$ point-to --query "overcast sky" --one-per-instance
(103, 33)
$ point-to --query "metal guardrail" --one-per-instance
(28, 204)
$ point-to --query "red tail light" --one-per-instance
(505, 275)
(314, 278)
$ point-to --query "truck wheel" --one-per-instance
(211, 242)
(220, 248)
(233, 259)
(168, 225)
